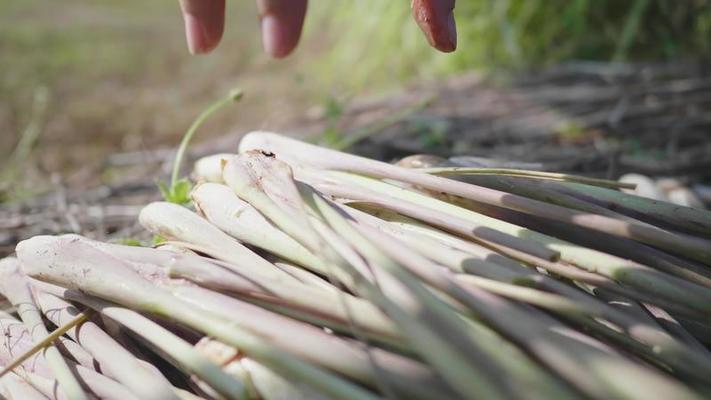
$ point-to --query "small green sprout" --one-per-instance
(178, 191)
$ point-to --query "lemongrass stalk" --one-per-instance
(86, 268)
(424, 319)
(642, 327)
(14, 286)
(468, 171)
(534, 297)
(420, 266)
(365, 365)
(46, 386)
(74, 351)
(484, 235)
(176, 348)
(667, 287)
(221, 206)
(410, 228)
(644, 339)
(12, 352)
(666, 349)
(539, 382)
(689, 219)
(432, 242)
(506, 259)
(209, 168)
(185, 395)
(616, 375)
(263, 382)
(182, 352)
(92, 380)
(629, 249)
(504, 254)
(272, 386)
(300, 153)
(268, 185)
(253, 286)
(448, 283)
(559, 269)
(461, 261)
(230, 359)
(35, 349)
(115, 361)
(17, 388)
(437, 277)
(337, 306)
(335, 309)
(306, 277)
(700, 330)
(675, 329)
(100, 385)
(543, 191)
(175, 222)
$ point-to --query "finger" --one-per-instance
(436, 19)
(281, 22)
(204, 23)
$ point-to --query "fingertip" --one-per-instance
(281, 23)
(276, 40)
(436, 20)
(204, 24)
(448, 42)
(198, 37)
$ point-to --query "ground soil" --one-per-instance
(594, 119)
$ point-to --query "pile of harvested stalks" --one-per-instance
(306, 273)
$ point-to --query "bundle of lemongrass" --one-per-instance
(306, 273)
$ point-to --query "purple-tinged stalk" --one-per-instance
(36, 370)
(687, 219)
(541, 175)
(635, 275)
(335, 309)
(86, 268)
(180, 352)
(17, 388)
(219, 204)
(654, 343)
(267, 184)
(626, 248)
(115, 361)
(366, 365)
(172, 221)
(263, 382)
(476, 232)
(15, 287)
(299, 153)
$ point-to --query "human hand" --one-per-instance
(281, 22)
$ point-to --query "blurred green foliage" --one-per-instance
(518, 34)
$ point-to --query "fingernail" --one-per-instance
(270, 35)
(452, 30)
(196, 35)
